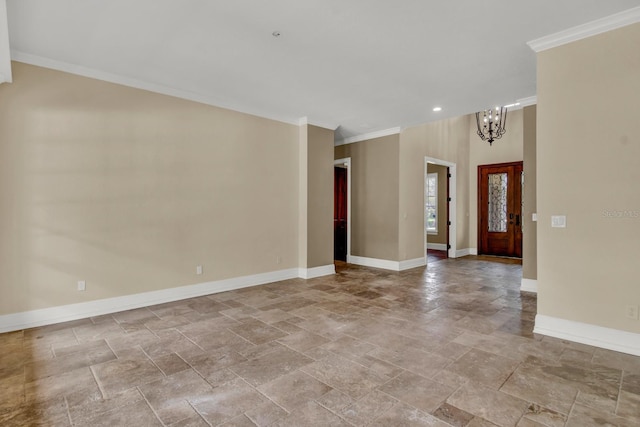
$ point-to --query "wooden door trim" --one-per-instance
(347, 162)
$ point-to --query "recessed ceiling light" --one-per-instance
(276, 34)
(436, 109)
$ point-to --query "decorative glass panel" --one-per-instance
(431, 203)
(497, 202)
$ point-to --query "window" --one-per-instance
(431, 203)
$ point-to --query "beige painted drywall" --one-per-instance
(374, 197)
(588, 158)
(509, 148)
(130, 190)
(441, 236)
(319, 196)
(446, 140)
(529, 227)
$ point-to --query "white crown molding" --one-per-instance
(525, 102)
(529, 285)
(139, 84)
(370, 135)
(311, 273)
(48, 316)
(305, 121)
(5, 52)
(584, 333)
(618, 20)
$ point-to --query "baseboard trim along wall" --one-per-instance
(437, 246)
(529, 285)
(465, 252)
(311, 273)
(412, 263)
(584, 333)
(386, 264)
(65, 313)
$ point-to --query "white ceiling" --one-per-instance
(362, 65)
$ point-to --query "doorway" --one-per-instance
(342, 209)
(448, 208)
(500, 209)
(437, 211)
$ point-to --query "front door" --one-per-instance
(340, 214)
(500, 209)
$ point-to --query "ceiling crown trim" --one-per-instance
(367, 136)
(92, 73)
(525, 102)
(306, 121)
(5, 53)
(618, 20)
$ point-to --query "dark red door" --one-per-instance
(340, 214)
(500, 209)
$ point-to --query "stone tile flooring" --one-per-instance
(450, 345)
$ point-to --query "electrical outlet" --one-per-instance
(278, 259)
(198, 269)
(82, 285)
(632, 312)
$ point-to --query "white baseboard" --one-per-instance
(64, 313)
(374, 262)
(386, 264)
(465, 252)
(412, 263)
(437, 246)
(310, 273)
(529, 285)
(584, 333)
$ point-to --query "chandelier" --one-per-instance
(492, 123)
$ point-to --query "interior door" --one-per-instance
(500, 209)
(340, 214)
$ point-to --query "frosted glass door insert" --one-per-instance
(498, 202)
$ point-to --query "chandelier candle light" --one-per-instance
(493, 124)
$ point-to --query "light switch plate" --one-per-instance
(559, 221)
(534, 217)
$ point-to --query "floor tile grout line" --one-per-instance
(150, 406)
(619, 392)
(198, 413)
(263, 394)
(95, 378)
(66, 403)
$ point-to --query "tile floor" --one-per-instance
(451, 345)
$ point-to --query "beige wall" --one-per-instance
(374, 198)
(441, 237)
(130, 190)
(446, 140)
(320, 197)
(588, 151)
(509, 148)
(529, 227)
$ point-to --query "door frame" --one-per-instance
(347, 163)
(452, 204)
(479, 201)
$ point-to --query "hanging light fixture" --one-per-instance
(492, 123)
